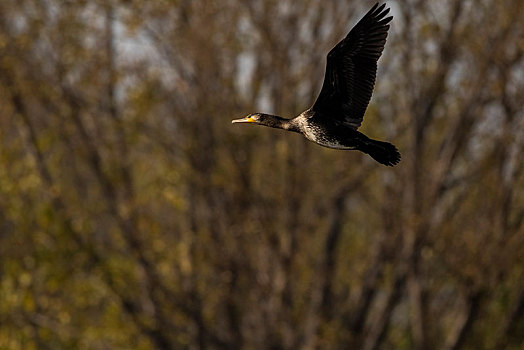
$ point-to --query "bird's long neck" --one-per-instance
(275, 121)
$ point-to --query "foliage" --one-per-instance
(134, 215)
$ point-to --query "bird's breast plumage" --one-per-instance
(331, 136)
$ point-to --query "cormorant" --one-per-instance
(348, 84)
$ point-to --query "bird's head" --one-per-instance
(270, 120)
(252, 118)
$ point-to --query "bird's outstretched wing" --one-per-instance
(351, 69)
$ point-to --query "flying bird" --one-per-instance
(348, 84)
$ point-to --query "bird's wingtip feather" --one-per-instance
(381, 8)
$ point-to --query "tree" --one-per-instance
(135, 216)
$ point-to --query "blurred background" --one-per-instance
(133, 215)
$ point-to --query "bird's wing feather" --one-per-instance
(351, 69)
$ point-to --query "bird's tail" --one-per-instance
(383, 152)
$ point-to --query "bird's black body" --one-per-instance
(348, 84)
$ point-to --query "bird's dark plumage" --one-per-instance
(351, 69)
(348, 84)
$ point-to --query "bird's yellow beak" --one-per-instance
(244, 120)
